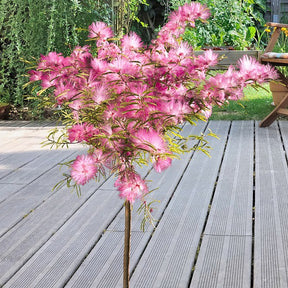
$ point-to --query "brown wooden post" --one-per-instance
(275, 11)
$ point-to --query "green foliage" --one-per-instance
(153, 14)
(232, 23)
(134, 6)
(30, 28)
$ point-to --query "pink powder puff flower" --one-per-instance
(248, 67)
(236, 94)
(90, 132)
(125, 67)
(111, 112)
(223, 81)
(251, 69)
(99, 156)
(187, 13)
(169, 32)
(150, 140)
(192, 11)
(82, 55)
(64, 93)
(99, 66)
(52, 60)
(125, 99)
(83, 169)
(176, 72)
(207, 112)
(46, 81)
(35, 75)
(109, 138)
(175, 21)
(176, 108)
(131, 186)
(138, 90)
(100, 31)
(81, 132)
(162, 164)
(108, 51)
(247, 63)
(99, 93)
(76, 106)
(209, 58)
(102, 160)
(183, 50)
(131, 42)
(76, 133)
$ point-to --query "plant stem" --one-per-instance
(127, 245)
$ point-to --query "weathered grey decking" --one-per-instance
(223, 221)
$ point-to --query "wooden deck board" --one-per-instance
(59, 240)
(271, 213)
(225, 255)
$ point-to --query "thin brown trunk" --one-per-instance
(127, 245)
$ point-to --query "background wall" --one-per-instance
(277, 11)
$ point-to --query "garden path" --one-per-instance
(222, 221)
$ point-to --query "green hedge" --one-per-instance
(232, 23)
(29, 28)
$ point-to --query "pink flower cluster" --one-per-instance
(124, 98)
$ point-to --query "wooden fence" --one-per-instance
(277, 11)
(230, 57)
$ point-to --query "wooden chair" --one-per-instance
(275, 59)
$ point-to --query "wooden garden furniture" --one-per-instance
(276, 59)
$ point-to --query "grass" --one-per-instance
(254, 106)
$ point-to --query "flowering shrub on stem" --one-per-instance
(126, 101)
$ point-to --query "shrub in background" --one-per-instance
(30, 28)
(233, 23)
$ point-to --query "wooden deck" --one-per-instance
(222, 221)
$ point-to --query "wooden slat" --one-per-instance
(224, 263)
(17, 123)
(275, 35)
(38, 166)
(230, 57)
(283, 111)
(271, 213)
(281, 25)
(225, 256)
(274, 61)
(9, 189)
